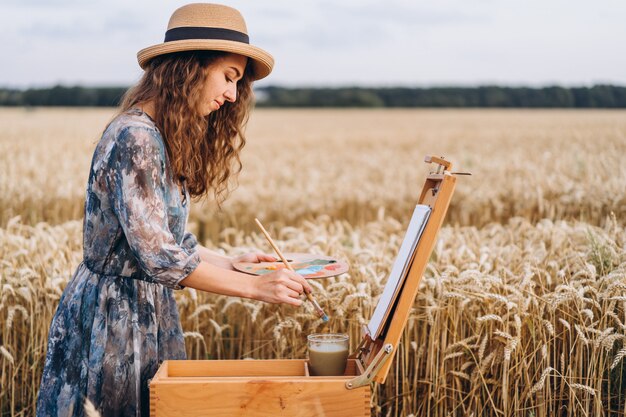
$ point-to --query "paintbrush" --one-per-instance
(309, 296)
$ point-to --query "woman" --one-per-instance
(177, 135)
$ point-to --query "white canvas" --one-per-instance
(399, 270)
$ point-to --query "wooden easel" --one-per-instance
(436, 193)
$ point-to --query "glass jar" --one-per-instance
(328, 353)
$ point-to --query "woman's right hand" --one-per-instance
(281, 286)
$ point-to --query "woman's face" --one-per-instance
(220, 84)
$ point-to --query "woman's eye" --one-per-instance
(229, 80)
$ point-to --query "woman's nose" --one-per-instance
(231, 93)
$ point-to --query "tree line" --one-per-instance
(598, 96)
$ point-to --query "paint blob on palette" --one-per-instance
(305, 264)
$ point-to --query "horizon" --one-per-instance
(335, 87)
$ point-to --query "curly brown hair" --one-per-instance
(202, 150)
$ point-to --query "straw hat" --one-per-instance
(204, 26)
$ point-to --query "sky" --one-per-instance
(332, 42)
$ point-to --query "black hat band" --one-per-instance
(192, 32)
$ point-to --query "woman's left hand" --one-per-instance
(254, 258)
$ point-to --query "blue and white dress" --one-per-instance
(117, 318)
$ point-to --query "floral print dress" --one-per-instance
(117, 318)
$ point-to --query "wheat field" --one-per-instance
(521, 310)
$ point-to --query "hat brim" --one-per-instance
(262, 61)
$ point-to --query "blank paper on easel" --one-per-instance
(399, 270)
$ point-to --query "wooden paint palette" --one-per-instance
(306, 264)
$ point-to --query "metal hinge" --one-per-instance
(366, 377)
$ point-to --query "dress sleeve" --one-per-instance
(135, 179)
(189, 242)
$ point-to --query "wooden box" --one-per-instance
(254, 388)
(284, 387)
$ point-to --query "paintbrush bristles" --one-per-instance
(319, 309)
